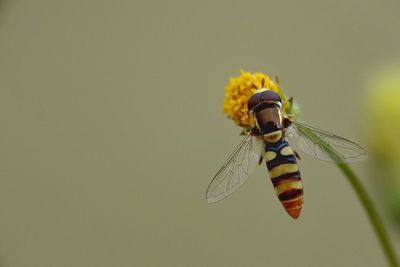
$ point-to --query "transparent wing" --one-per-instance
(320, 144)
(235, 170)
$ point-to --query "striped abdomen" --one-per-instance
(285, 176)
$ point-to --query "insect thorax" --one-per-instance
(269, 123)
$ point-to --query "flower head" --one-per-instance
(241, 88)
(383, 121)
(384, 114)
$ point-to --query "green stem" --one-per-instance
(372, 213)
(362, 195)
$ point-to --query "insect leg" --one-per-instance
(286, 122)
(297, 155)
(261, 158)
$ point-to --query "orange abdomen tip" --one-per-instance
(294, 213)
(293, 206)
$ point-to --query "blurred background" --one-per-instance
(111, 130)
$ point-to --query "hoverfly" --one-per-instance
(273, 130)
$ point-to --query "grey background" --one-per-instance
(111, 130)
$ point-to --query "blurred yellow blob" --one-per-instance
(383, 132)
(383, 109)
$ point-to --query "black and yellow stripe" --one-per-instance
(285, 176)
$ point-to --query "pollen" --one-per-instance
(240, 89)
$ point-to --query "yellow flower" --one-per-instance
(240, 89)
(383, 112)
(382, 132)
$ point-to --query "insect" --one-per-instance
(272, 131)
